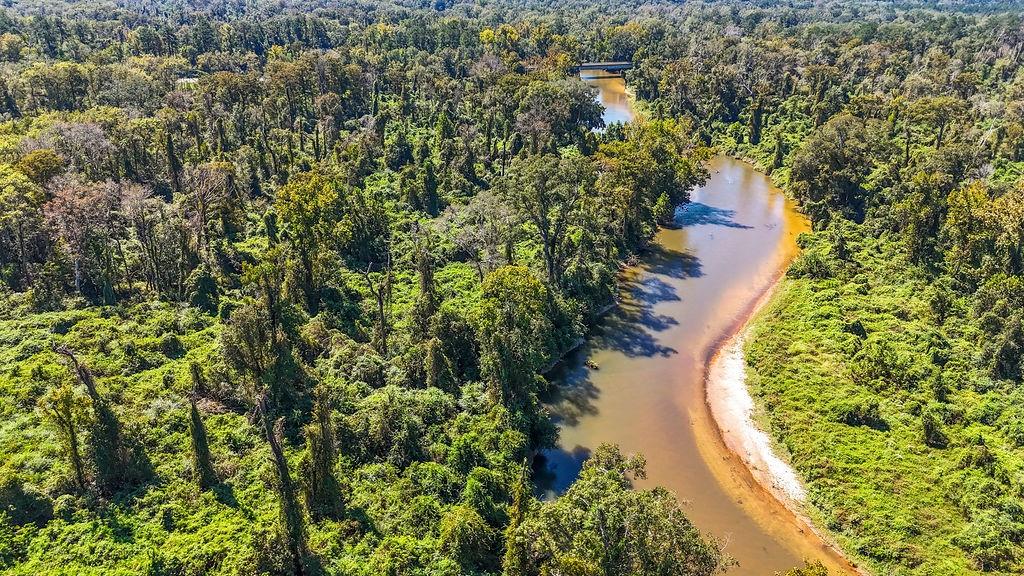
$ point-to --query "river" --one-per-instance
(645, 391)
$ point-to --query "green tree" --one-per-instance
(467, 538)
(656, 158)
(513, 322)
(427, 298)
(21, 203)
(41, 165)
(515, 560)
(310, 207)
(664, 210)
(549, 192)
(437, 367)
(173, 163)
(602, 526)
(831, 168)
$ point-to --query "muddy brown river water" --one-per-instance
(694, 289)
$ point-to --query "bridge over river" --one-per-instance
(603, 66)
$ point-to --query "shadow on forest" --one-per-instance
(225, 494)
(697, 213)
(120, 532)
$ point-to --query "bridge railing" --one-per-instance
(606, 66)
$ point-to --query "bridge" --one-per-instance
(604, 66)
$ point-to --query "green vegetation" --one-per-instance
(873, 379)
(277, 289)
(889, 364)
(278, 282)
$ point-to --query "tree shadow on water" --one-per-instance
(633, 328)
(665, 261)
(575, 393)
(651, 291)
(698, 213)
(556, 469)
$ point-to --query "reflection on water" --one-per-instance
(612, 95)
(638, 382)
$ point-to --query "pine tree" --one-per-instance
(421, 152)
(430, 198)
(756, 114)
(222, 138)
(468, 166)
(173, 164)
(779, 156)
(444, 130)
(399, 152)
(426, 300)
(437, 367)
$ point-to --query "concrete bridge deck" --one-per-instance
(604, 66)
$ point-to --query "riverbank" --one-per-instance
(904, 505)
(733, 410)
(638, 382)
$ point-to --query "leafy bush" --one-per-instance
(862, 411)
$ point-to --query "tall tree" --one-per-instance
(64, 409)
(293, 525)
(427, 298)
(516, 333)
(549, 192)
(21, 202)
(514, 562)
(310, 206)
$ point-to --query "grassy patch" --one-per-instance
(850, 367)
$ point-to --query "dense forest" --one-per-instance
(280, 282)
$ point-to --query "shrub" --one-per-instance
(201, 289)
(933, 433)
(859, 412)
(171, 346)
(988, 540)
(810, 264)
